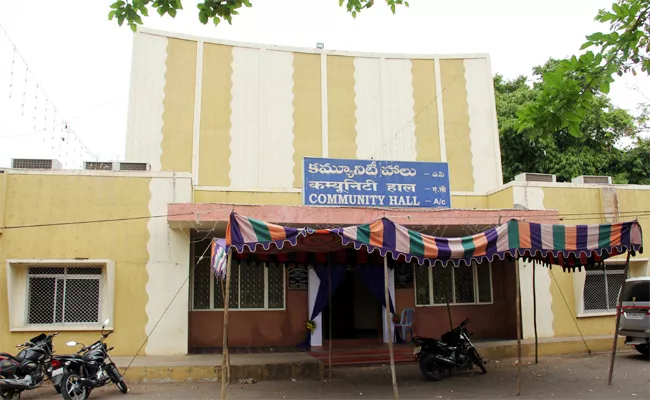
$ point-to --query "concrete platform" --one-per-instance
(300, 365)
(207, 367)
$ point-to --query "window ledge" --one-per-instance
(454, 305)
(240, 309)
(61, 328)
(597, 314)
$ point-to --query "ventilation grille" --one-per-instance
(532, 177)
(99, 166)
(115, 166)
(593, 180)
(134, 167)
(30, 163)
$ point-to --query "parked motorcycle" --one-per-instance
(437, 358)
(91, 367)
(28, 369)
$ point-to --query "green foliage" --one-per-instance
(567, 91)
(595, 150)
(132, 11)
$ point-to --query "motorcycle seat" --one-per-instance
(19, 359)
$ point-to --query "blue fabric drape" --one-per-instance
(374, 278)
(322, 297)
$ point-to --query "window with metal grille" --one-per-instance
(64, 295)
(403, 275)
(458, 285)
(602, 284)
(253, 286)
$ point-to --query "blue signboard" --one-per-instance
(370, 183)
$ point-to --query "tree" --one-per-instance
(132, 11)
(596, 150)
(568, 90)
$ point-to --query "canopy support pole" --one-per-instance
(518, 306)
(225, 356)
(391, 334)
(451, 323)
(329, 294)
(535, 317)
(619, 311)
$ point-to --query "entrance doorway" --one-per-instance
(356, 313)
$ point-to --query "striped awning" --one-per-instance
(566, 245)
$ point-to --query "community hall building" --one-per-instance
(276, 134)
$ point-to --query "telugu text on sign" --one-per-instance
(371, 183)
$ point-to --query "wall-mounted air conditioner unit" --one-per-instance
(34, 163)
(593, 180)
(533, 177)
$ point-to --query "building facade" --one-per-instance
(225, 127)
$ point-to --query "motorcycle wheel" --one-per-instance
(69, 388)
(476, 358)
(117, 378)
(431, 370)
(9, 394)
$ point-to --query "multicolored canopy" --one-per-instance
(569, 246)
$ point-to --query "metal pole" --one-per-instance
(329, 342)
(535, 316)
(619, 311)
(451, 323)
(390, 330)
(225, 362)
(518, 306)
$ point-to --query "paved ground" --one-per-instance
(578, 377)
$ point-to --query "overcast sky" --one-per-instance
(82, 60)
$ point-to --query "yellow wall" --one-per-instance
(295, 199)
(573, 203)
(52, 199)
(256, 112)
(501, 199)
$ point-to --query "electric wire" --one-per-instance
(579, 216)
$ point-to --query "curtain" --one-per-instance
(374, 278)
(322, 297)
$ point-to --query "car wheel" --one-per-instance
(643, 349)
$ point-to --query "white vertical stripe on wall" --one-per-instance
(261, 134)
(485, 158)
(367, 100)
(533, 199)
(384, 109)
(398, 113)
(276, 138)
(245, 117)
(145, 120)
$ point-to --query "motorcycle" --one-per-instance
(91, 367)
(28, 369)
(437, 358)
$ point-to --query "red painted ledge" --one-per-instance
(202, 215)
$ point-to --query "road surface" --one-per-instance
(575, 377)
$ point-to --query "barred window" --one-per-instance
(602, 284)
(403, 275)
(459, 285)
(253, 286)
(64, 295)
